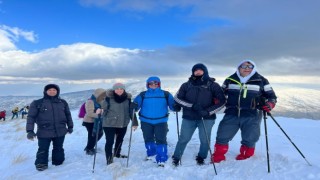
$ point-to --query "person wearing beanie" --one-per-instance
(91, 119)
(53, 118)
(116, 118)
(244, 89)
(153, 105)
(200, 97)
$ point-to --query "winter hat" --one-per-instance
(118, 86)
(153, 78)
(49, 86)
(254, 70)
(98, 92)
(200, 66)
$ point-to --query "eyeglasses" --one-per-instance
(153, 83)
(247, 66)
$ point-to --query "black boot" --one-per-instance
(41, 167)
(109, 160)
(175, 161)
(200, 160)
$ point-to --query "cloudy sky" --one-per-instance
(84, 44)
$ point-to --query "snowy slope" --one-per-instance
(18, 155)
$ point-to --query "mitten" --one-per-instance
(268, 106)
(31, 135)
(176, 107)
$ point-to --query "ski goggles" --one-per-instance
(153, 83)
(247, 66)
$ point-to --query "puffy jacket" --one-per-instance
(52, 115)
(154, 107)
(117, 114)
(209, 95)
(244, 96)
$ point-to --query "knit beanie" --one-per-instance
(118, 86)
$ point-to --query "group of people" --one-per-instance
(15, 113)
(245, 94)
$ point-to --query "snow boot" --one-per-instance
(200, 160)
(121, 156)
(175, 161)
(245, 152)
(41, 167)
(219, 152)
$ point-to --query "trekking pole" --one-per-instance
(289, 138)
(133, 115)
(266, 134)
(97, 134)
(205, 131)
(178, 130)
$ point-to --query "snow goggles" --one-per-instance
(247, 66)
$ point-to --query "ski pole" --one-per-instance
(205, 131)
(266, 134)
(178, 131)
(97, 134)
(288, 138)
(133, 115)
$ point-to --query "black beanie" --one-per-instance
(49, 86)
(200, 66)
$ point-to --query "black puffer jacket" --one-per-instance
(209, 95)
(52, 116)
(244, 97)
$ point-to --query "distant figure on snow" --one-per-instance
(15, 112)
(24, 111)
(3, 115)
(54, 121)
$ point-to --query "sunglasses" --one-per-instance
(247, 66)
(153, 83)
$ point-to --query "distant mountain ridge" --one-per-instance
(292, 102)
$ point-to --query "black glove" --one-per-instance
(176, 107)
(204, 113)
(133, 105)
(70, 130)
(31, 135)
(196, 107)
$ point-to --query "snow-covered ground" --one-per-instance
(18, 155)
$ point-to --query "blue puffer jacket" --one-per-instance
(154, 108)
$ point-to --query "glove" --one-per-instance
(133, 105)
(204, 113)
(196, 107)
(176, 107)
(268, 106)
(70, 130)
(31, 135)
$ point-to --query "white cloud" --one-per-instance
(10, 35)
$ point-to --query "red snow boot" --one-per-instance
(219, 152)
(245, 152)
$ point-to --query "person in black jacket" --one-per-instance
(200, 97)
(244, 90)
(54, 121)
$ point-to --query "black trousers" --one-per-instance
(57, 150)
(110, 133)
(91, 142)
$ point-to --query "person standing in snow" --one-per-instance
(153, 105)
(93, 111)
(3, 115)
(54, 121)
(200, 97)
(15, 112)
(244, 90)
(116, 118)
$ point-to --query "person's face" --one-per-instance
(119, 91)
(153, 84)
(198, 72)
(245, 69)
(52, 92)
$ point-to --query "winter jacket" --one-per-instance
(244, 97)
(52, 116)
(154, 107)
(116, 114)
(2, 114)
(209, 95)
(93, 104)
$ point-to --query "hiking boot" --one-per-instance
(121, 156)
(200, 160)
(175, 161)
(90, 151)
(161, 164)
(109, 160)
(41, 167)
